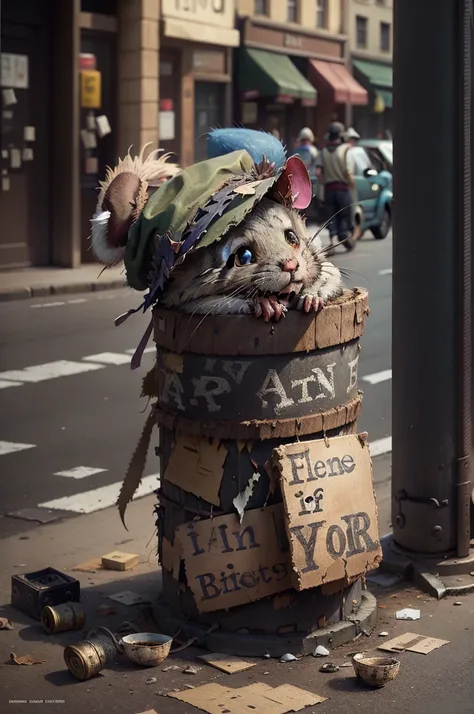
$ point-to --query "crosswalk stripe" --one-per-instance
(380, 446)
(80, 472)
(6, 383)
(9, 447)
(99, 498)
(50, 370)
(108, 358)
(378, 377)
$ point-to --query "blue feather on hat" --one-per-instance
(257, 143)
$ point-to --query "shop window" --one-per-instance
(102, 7)
(385, 37)
(322, 13)
(292, 10)
(361, 31)
(260, 7)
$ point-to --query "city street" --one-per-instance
(70, 407)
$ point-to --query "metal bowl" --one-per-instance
(146, 648)
(375, 671)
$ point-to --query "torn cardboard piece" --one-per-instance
(227, 663)
(411, 642)
(228, 564)
(241, 500)
(118, 560)
(196, 465)
(215, 698)
(330, 509)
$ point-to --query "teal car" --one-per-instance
(373, 196)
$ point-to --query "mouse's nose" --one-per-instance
(288, 266)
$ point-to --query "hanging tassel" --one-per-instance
(138, 354)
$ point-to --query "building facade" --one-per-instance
(290, 68)
(370, 29)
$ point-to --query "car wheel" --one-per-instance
(358, 221)
(382, 230)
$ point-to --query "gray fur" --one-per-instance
(204, 284)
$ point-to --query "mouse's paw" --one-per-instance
(310, 303)
(269, 308)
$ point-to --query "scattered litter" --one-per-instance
(148, 711)
(5, 624)
(261, 697)
(385, 580)
(105, 610)
(383, 634)
(411, 642)
(458, 602)
(320, 651)
(227, 663)
(384, 607)
(171, 668)
(191, 670)
(329, 667)
(189, 686)
(25, 659)
(150, 680)
(267, 656)
(89, 566)
(241, 500)
(345, 664)
(472, 573)
(128, 597)
(408, 614)
(118, 560)
(288, 657)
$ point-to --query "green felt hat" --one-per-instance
(173, 209)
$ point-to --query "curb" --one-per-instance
(11, 294)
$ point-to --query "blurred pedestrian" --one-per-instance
(351, 137)
(335, 170)
(306, 149)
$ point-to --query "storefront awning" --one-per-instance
(334, 77)
(377, 76)
(269, 74)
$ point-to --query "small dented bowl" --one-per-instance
(146, 648)
(375, 671)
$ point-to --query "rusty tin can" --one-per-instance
(86, 659)
(61, 618)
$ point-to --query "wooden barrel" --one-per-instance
(230, 390)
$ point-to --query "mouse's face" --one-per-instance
(268, 254)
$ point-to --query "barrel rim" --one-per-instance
(338, 322)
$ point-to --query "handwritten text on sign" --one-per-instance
(331, 513)
(229, 564)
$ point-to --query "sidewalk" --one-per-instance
(440, 681)
(40, 282)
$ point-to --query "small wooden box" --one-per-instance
(117, 560)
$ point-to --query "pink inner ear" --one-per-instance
(300, 182)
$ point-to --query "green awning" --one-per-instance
(378, 77)
(270, 74)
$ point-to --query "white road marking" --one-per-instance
(378, 377)
(9, 447)
(80, 472)
(76, 301)
(4, 383)
(108, 358)
(47, 304)
(380, 446)
(99, 498)
(51, 370)
(386, 271)
(146, 351)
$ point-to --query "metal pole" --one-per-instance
(431, 354)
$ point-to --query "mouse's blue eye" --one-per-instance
(243, 256)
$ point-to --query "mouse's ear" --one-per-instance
(122, 198)
(294, 184)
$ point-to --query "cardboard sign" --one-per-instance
(196, 465)
(411, 642)
(229, 564)
(90, 89)
(331, 513)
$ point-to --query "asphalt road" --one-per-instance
(69, 424)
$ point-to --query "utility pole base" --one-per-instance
(436, 575)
